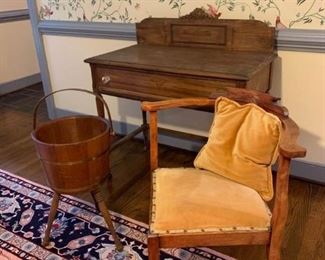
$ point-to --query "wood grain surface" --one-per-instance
(176, 58)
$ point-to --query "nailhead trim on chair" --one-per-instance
(217, 230)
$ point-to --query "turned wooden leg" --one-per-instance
(153, 247)
(99, 200)
(54, 207)
(145, 131)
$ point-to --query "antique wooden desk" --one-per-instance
(186, 57)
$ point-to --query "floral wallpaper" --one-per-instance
(308, 14)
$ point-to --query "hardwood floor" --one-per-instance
(305, 230)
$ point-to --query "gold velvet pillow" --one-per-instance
(242, 145)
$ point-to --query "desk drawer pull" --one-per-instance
(106, 79)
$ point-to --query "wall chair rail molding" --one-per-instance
(286, 39)
(14, 15)
(89, 29)
(301, 40)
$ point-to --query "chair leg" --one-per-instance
(153, 247)
(99, 200)
(273, 252)
(274, 248)
(54, 207)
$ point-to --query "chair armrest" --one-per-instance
(153, 107)
(175, 103)
(209, 102)
(288, 143)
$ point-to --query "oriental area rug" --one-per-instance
(79, 232)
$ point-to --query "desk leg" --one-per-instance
(100, 106)
(95, 79)
(145, 129)
(101, 113)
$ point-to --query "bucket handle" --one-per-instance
(74, 89)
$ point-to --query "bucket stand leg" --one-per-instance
(54, 206)
(104, 210)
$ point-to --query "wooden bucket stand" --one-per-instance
(74, 152)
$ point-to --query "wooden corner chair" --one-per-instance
(269, 225)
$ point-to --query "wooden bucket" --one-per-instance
(74, 150)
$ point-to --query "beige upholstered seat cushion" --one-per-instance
(242, 146)
(194, 200)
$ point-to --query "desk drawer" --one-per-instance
(147, 85)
